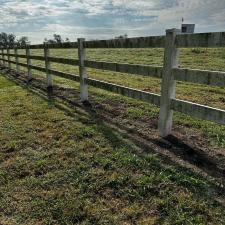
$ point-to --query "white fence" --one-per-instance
(169, 73)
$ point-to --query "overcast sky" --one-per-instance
(100, 19)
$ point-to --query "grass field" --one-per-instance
(68, 167)
(207, 59)
(61, 169)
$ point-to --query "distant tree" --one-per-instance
(7, 40)
(122, 36)
(58, 38)
(22, 41)
(3, 39)
(51, 41)
(11, 40)
(67, 40)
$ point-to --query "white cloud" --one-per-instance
(17, 11)
(107, 18)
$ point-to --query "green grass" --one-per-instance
(197, 58)
(57, 168)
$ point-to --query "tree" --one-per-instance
(122, 36)
(67, 40)
(58, 38)
(4, 39)
(22, 41)
(7, 40)
(11, 40)
(49, 41)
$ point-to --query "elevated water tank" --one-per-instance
(188, 28)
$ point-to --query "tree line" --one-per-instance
(10, 40)
(57, 39)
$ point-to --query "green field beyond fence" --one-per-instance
(169, 73)
(62, 164)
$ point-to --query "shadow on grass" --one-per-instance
(120, 135)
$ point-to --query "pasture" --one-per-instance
(196, 58)
(64, 163)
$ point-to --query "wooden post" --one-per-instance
(48, 66)
(9, 58)
(28, 63)
(168, 88)
(17, 60)
(82, 70)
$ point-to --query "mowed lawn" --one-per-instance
(60, 168)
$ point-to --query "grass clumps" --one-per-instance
(61, 169)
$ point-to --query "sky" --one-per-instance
(104, 19)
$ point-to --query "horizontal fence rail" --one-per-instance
(169, 73)
(204, 40)
(213, 78)
(140, 42)
(125, 91)
(66, 61)
(38, 68)
(72, 62)
(145, 70)
(52, 46)
(199, 111)
(65, 75)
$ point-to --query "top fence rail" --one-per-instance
(139, 42)
(58, 45)
(206, 40)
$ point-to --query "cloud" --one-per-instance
(107, 18)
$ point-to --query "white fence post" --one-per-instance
(168, 88)
(28, 63)
(9, 58)
(48, 66)
(3, 57)
(17, 60)
(82, 70)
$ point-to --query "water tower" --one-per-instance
(187, 28)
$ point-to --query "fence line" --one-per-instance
(169, 73)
